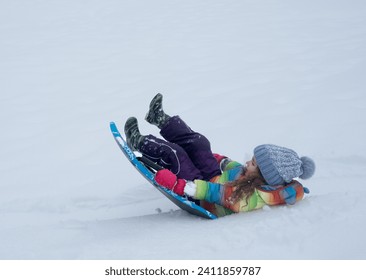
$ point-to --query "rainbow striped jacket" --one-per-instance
(215, 196)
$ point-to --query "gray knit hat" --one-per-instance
(280, 165)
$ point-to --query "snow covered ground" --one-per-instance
(243, 73)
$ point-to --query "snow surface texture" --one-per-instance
(243, 73)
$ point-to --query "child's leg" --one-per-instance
(170, 156)
(195, 144)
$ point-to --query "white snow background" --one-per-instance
(243, 73)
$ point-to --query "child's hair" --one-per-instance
(245, 186)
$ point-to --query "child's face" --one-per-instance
(251, 166)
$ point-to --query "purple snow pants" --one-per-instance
(185, 152)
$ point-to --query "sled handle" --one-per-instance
(149, 163)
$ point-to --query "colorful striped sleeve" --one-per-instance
(220, 194)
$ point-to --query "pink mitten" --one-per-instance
(169, 180)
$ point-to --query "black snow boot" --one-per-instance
(133, 135)
(156, 114)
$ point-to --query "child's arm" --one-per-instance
(226, 163)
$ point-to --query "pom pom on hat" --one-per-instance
(280, 165)
(308, 168)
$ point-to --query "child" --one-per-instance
(221, 185)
